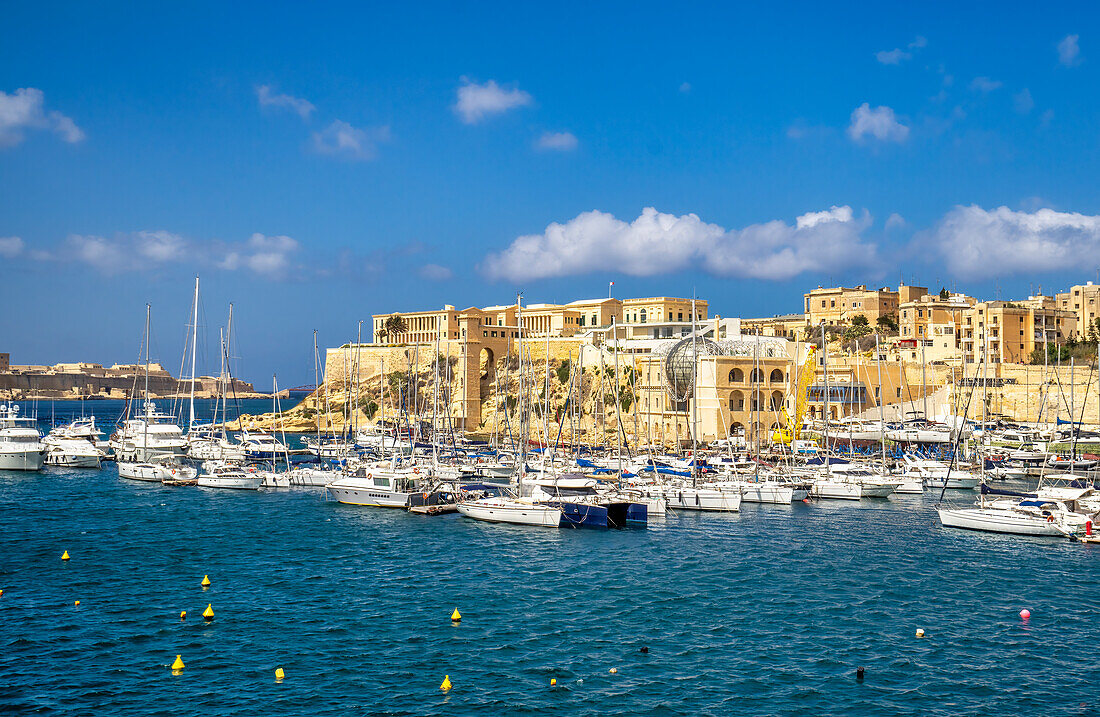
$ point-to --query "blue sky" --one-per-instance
(317, 165)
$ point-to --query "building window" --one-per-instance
(737, 375)
(643, 316)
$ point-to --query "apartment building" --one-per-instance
(1007, 332)
(839, 305)
(1084, 301)
(928, 327)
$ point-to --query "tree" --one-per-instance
(369, 407)
(887, 322)
(860, 320)
(394, 325)
(944, 293)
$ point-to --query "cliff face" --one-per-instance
(399, 380)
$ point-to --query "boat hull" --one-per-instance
(515, 513)
(234, 482)
(23, 460)
(977, 519)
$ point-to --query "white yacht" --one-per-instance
(377, 485)
(71, 452)
(158, 469)
(681, 495)
(21, 447)
(1032, 516)
(933, 473)
(507, 509)
(262, 446)
(151, 434)
(849, 481)
(209, 443)
(220, 474)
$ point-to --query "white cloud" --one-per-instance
(559, 141)
(141, 251)
(984, 84)
(978, 243)
(268, 98)
(898, 55)
(11, 246)
(264, 255)
(1022, 101)
(342, 140)
(476, 102)
(892, 57)
(1069, 53)
(25, 110)
(435, 272)
(895, 221)
(878, 122)
(657, 243)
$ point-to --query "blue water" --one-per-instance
(765, 612)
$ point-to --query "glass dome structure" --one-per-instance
(679, 368)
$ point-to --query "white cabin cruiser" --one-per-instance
(262, 446)
(151, 434)
(222, 474)
(71, 452)
(158, 469)
(21, 447)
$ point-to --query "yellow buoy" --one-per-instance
(206, 581)
(178, 664)
(208, 613)
(446, 683)
(920, 632)
(279, 674)
(553, 681)
(456, 616)
(183, 614)
(65, 555)
(77, 603)
(614, 670)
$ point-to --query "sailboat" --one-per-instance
(520, 508)
(150, 434)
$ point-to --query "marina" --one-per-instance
(769, 609)
(499, 359)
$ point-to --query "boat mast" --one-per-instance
(618, 409)
(521, 465)
(435, 405)
(923, 383)
(881, 411)
(316, 360)
(694, 399)
(194, 340)
(148, 403)
(825, 368)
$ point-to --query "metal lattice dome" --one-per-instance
(679, 369)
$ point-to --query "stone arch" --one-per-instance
(777, 376)
(776, 403)
(737, 429)
(757, 375)
(737, 401)
(737, 375)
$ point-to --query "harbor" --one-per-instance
(771, 609)
(600, 360)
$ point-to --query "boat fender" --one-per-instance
(416, 470)
(424, 496)
(1050, 518)
(369, 476)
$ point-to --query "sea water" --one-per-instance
(769, 611)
